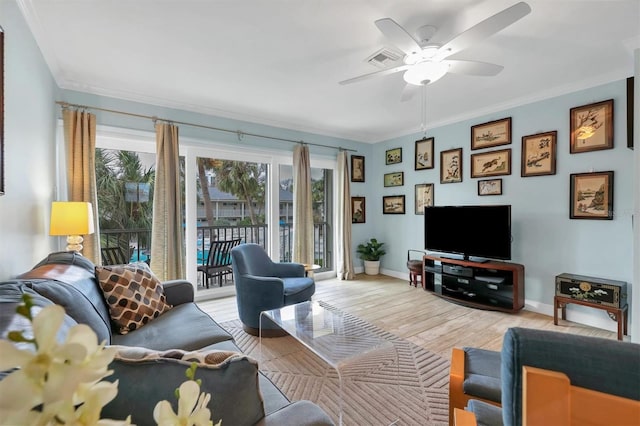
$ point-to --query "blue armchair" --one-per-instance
(262, 285)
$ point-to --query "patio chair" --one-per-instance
(218, 261)
(113, 256)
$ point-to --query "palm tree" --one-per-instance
(205, 164)
(114, 169)
(244, 180)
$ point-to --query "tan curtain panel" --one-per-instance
(302, 206)
(167, 235)
(80, 148)
(344, 252)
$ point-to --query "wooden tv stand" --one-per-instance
(492, 285)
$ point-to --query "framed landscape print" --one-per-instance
(451, 166)
(393, 204)
(591, 196)
(539, 154)
(493, 163)
(393, 156)
(592, 127)
(394, 179)
(490, 187)
(424, 196)
(493, 133)
(357, 168)
(358, 210)
(424, 154)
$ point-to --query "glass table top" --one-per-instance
(330, 333)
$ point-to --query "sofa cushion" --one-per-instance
(74, 297)
(185, 327)
(231, 379)
(134, 295)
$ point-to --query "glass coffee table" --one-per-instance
(337, 338)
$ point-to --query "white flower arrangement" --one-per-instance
(61, 383)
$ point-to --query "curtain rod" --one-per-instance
(240, 133)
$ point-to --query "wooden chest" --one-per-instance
(600, 291)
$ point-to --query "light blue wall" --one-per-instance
(545, 240)
(29, 137)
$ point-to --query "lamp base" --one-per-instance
(74, 243)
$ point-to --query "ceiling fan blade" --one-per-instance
(483, 69)
(375, 74)
(484, 29)
(398, 35)
(409, 91)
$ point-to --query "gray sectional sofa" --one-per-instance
(240, 393)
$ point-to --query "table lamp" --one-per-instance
(73, 219)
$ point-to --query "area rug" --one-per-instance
(414, 392)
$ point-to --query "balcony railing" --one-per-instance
(137, 242)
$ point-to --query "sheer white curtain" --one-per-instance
(344, 253)
(302, 206)
(80, 148)
(167, 235)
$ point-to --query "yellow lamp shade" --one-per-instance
(71, 218)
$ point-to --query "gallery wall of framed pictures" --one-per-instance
(590, 129)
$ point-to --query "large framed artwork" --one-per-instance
(424, 154)
(591, 196)
(393, 204)
(357, 168)
(591, 127)
(493, 163)
(539, 154)
(451, 166)
(358, 210)
(493, 133)
(424, 196)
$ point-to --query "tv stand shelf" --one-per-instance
(492, 285)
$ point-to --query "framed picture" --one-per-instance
(493, 163)
(358, 210)
(539, 154)
(451, 166)
(591, 196)
(490, 187)
(592, 127)
(394, 179)
(393, 156)
(493, 133)
(357, 168)
(424, 196)
(424, 154)
(393, 204)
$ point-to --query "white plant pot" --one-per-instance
(372, 267)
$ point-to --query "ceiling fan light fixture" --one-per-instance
(426, 72)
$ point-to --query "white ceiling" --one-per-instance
(279, 62)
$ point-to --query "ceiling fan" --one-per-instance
(426, 62)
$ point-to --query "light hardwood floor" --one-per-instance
(418, 316)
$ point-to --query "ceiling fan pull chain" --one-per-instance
(424, 110)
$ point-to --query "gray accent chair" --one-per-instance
(262, 285)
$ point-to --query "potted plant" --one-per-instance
(371, 252)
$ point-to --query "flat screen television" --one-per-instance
(478, 231)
